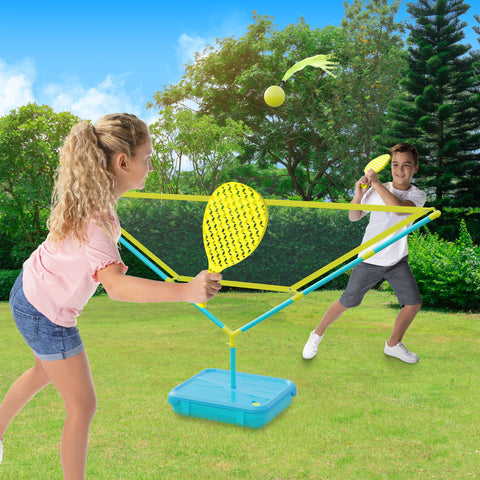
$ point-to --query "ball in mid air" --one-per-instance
(274, 96)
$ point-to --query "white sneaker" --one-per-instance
(401, 351)
(1, 450)
(311, 347)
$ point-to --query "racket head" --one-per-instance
(378, 163)
(234, 223)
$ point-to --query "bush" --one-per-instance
(7, 279)
(447, 273)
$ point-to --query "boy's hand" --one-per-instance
(359, 190)
(204, 286)
(372, 178)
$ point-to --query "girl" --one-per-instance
(98, 164)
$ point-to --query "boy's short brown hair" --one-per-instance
(405, 147)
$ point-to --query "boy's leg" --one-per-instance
(333, 313)
(402, 281)
(404, 319)
(362, 279)
(311, 347)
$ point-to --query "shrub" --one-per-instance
(447, 273)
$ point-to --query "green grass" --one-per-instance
(357, 415)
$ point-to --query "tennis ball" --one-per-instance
(274, 96)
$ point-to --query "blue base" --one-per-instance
(254, 402)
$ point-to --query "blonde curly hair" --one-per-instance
(85, 187)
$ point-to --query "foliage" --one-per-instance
(449, 226)
(316, 136)
(439, 109)
(7, 261)
(7, 279)
(447, 273)
(209, 147)
(30, 138)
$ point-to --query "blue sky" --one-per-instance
(95, 57)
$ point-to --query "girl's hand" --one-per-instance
(204, 287)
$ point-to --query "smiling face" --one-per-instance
(403, 170)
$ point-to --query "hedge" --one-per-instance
(7, 279)
(297, 242)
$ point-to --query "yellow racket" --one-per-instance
(234, 223)
(376, 165)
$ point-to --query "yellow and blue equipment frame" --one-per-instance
(419, 216)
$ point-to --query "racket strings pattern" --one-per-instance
(378, 163)
(234, 223)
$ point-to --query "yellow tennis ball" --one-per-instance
(274, 96)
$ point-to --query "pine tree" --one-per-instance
(438, 110)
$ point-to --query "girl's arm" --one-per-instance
(126, 288)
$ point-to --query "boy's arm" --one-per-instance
(355, 215)
(388, 197)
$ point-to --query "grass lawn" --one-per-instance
(358, 414)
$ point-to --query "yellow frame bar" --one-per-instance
(415, 213)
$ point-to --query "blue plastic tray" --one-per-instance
(254, 402)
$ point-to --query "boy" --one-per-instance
(390, 264)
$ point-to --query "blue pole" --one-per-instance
(232, 367)
(161, 274)
(143, 258)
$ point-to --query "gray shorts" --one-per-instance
(365, 276)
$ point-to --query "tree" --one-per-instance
(30, 138)
(318, 136)
(438, 110)
(181, 134)
(167, 155)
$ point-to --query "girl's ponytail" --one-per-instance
(85, 187)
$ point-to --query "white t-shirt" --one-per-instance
(381, 221)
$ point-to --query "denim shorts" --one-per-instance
(48, 340)
(365, 276)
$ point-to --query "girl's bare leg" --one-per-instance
(23, 389)
(73, 380)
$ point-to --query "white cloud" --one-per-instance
(188, 46)
(16, 82)
(18, 87)
(91, 103)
